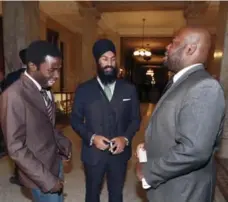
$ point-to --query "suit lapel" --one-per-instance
(176, 84)
(53, 108)
(33, 95)
(101, 91)
(116, 93)
(115, 101)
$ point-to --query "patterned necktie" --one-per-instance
(48, 104)
(108, 92)
(168, 85)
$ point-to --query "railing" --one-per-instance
(64, 101)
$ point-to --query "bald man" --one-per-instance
(185, 127)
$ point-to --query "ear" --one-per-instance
(32, 67)
(191, 49)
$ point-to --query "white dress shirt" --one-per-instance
(177, 76)
(183, 71)
(111, 86)
(38, 86)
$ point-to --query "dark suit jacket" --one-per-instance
(93, 114)
(31, 139)
(11, 78)
(182, 137)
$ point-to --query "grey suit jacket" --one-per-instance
(182, 137)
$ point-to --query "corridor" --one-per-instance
(74, 188)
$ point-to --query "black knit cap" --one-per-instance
(102, 46)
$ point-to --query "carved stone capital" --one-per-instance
(90, 12)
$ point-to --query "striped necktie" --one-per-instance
(48, 104)
(108, 92)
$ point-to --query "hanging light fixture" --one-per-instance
(143, 52)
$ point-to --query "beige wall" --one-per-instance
(211, 68)
(72, 52)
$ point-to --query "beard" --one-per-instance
(107, 76)
(174, 61)
(45, 82)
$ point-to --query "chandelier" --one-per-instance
(143, 52)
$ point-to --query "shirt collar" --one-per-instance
(183, 71)
(34, 81)
(102, 85)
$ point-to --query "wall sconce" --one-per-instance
(151, 73)
(218, 54)
(121, 73)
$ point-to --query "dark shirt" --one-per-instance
(11, 78)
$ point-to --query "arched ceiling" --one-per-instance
(157, 22)
(163, 19)
(122, 6)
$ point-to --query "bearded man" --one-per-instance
(186, 126)
(106, 115)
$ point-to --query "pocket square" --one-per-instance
(124, 100)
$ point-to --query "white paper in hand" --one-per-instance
(142, 155)
(144, 184)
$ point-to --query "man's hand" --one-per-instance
(119, 144)
(138, 169)
(67, 164)
(139, 147)
(58, 187)
(101, 142)
(69, 157)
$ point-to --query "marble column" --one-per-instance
(220, 62)
(89, 36)
(21, 23)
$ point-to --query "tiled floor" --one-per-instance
(74, 187)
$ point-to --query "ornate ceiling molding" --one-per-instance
(149, 32)
(89, 11)
(194, 9)
(129, 6)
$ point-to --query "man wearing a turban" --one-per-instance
(106, 115)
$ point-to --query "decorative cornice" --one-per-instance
(92, 12)
(148, 32)
(195, 9)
